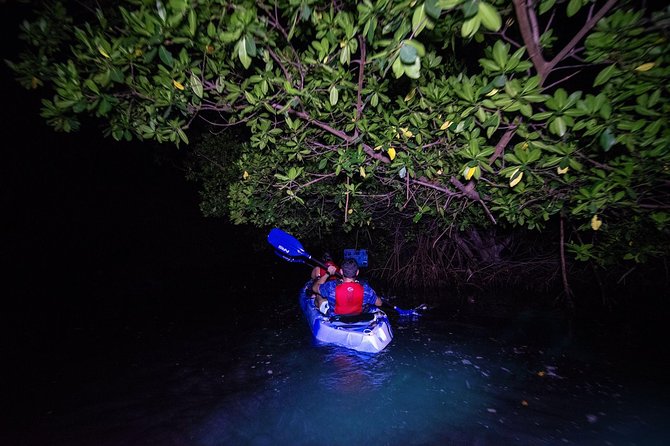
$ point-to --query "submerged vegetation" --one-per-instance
(469, 141)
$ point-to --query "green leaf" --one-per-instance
(413, 71)
(345, 55)
(500, 53)
(489, 65)
(605, 75)
(489, 16)
(470, 8)
(420, 49)
(196, 85)
(558, 126)
(419, 19)
(607, 139)
(182, 135)
(573, 7)
(408, 54)
(161, 10)
(470, 27)
(250, 45)
(242, 53)
(500, 81)
(334, 95)
(398, 69)
(211, 30)
(91, 86)
(542, 116)
(493, 124)
(305, 12)
(104, 107)
(432, 9)
(191, 22)
(165, 56)
(546, 5)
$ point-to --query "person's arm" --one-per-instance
(315, 273)
(321, 280)
(370, 296)
(317, 283)
(378, 300)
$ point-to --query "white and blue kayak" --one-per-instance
(368, 332)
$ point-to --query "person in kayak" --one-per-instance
(346, 296)
(318, 271)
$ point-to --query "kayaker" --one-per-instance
(318, 271)
(347, 295)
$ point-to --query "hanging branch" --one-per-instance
(564, 272)
(527, 18)
(361, 74)
(504, 140)
(580, 35)
(346, 204)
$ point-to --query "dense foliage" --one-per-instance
(453, 126)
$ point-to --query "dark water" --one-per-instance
(257, 378)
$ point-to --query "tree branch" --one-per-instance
(333, 131)
(527, 19)
(523, 13)
(423, 181)
(504, 140)
(580, 34)
(361, 73)
(470, 192)
(274, 56)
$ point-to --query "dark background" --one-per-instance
(104, 252)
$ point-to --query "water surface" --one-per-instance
(216, 379)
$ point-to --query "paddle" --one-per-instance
(290, 249)
(287, 245)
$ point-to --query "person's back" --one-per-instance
(345, 296)
(349, 298)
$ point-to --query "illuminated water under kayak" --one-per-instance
(369, 335)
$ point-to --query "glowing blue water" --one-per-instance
(430, 386)
(268, 384)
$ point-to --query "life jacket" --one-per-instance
(348, 298)
(323, 272)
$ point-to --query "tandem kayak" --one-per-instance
(368, 332)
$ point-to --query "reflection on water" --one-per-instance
(436, 383)
(351, 372)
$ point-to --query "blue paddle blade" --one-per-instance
(289, 259)
(286, 244)
(402, 312)
(414, 312)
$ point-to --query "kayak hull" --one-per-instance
(368, 336)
